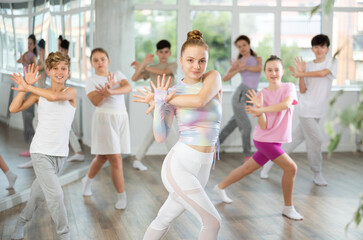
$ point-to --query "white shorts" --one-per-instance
(110, 132)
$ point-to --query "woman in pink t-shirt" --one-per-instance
(273, 106)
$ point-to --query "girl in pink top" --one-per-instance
(273, 106)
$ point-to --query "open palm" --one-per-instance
(254, 98)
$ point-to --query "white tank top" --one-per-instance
(54, 123)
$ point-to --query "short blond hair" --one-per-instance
(56, 57)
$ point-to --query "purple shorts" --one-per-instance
(266, 151)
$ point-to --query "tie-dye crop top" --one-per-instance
(197, 126)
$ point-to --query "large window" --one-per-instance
(217, 34)
(48, 19)
(281, 27)
(152, 26)
(297, 30)
(348, 47)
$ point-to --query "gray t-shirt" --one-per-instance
(172, 66)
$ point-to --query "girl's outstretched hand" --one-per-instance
(163, 85)
(111, 80)
(19, 80)
(253, 110)
(31, 74)
(146, 96)
(254, 99)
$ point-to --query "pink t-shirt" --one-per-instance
(278, 123)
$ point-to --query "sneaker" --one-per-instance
(24, 154)
(28, 164)
(138, 165)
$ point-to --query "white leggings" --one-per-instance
(185, 173)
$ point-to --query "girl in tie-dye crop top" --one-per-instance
(197, 126)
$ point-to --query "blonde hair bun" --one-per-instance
(195, 35)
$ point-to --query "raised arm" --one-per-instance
(163, 116)
(257, 68)
(68, 94)
(212, 86)
(157, 71)
(140, 67)
(257, 101)
(235, 68)
(300, 66)
(20, 104)
(259, 111)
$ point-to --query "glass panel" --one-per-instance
(85, 3)
(297, 30)
(259, 27)
(67, 27)
(211, 2)
(5, 8)
(300, 3)
(348, 40)
(70, 4)
(38, 21)
(45, 31)
(55, 5)
(152, 26)
(3, 45)
(348, 3)
(217, 34)
(54, 31)
(21, 30)
(74, 46)
(159, 2)
(38, 5)
(257, 2)
(20, 8)
(10, 43)
(86, 47)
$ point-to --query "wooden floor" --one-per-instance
(254, 214)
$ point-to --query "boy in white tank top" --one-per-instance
(49, 147)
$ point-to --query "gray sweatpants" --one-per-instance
(239, 119)
(47, 187)
(28, 116)
(308, 129)
(149, 140)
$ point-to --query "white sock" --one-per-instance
(290, 212)
(138, 165)
(265, 169)
(121, 201)
(222, 194)
(76, 158)
(319, 179)
(18, 231)
(11, 178)
(87, 182)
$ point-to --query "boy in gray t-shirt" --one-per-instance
(145, 71)
(315, 80)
